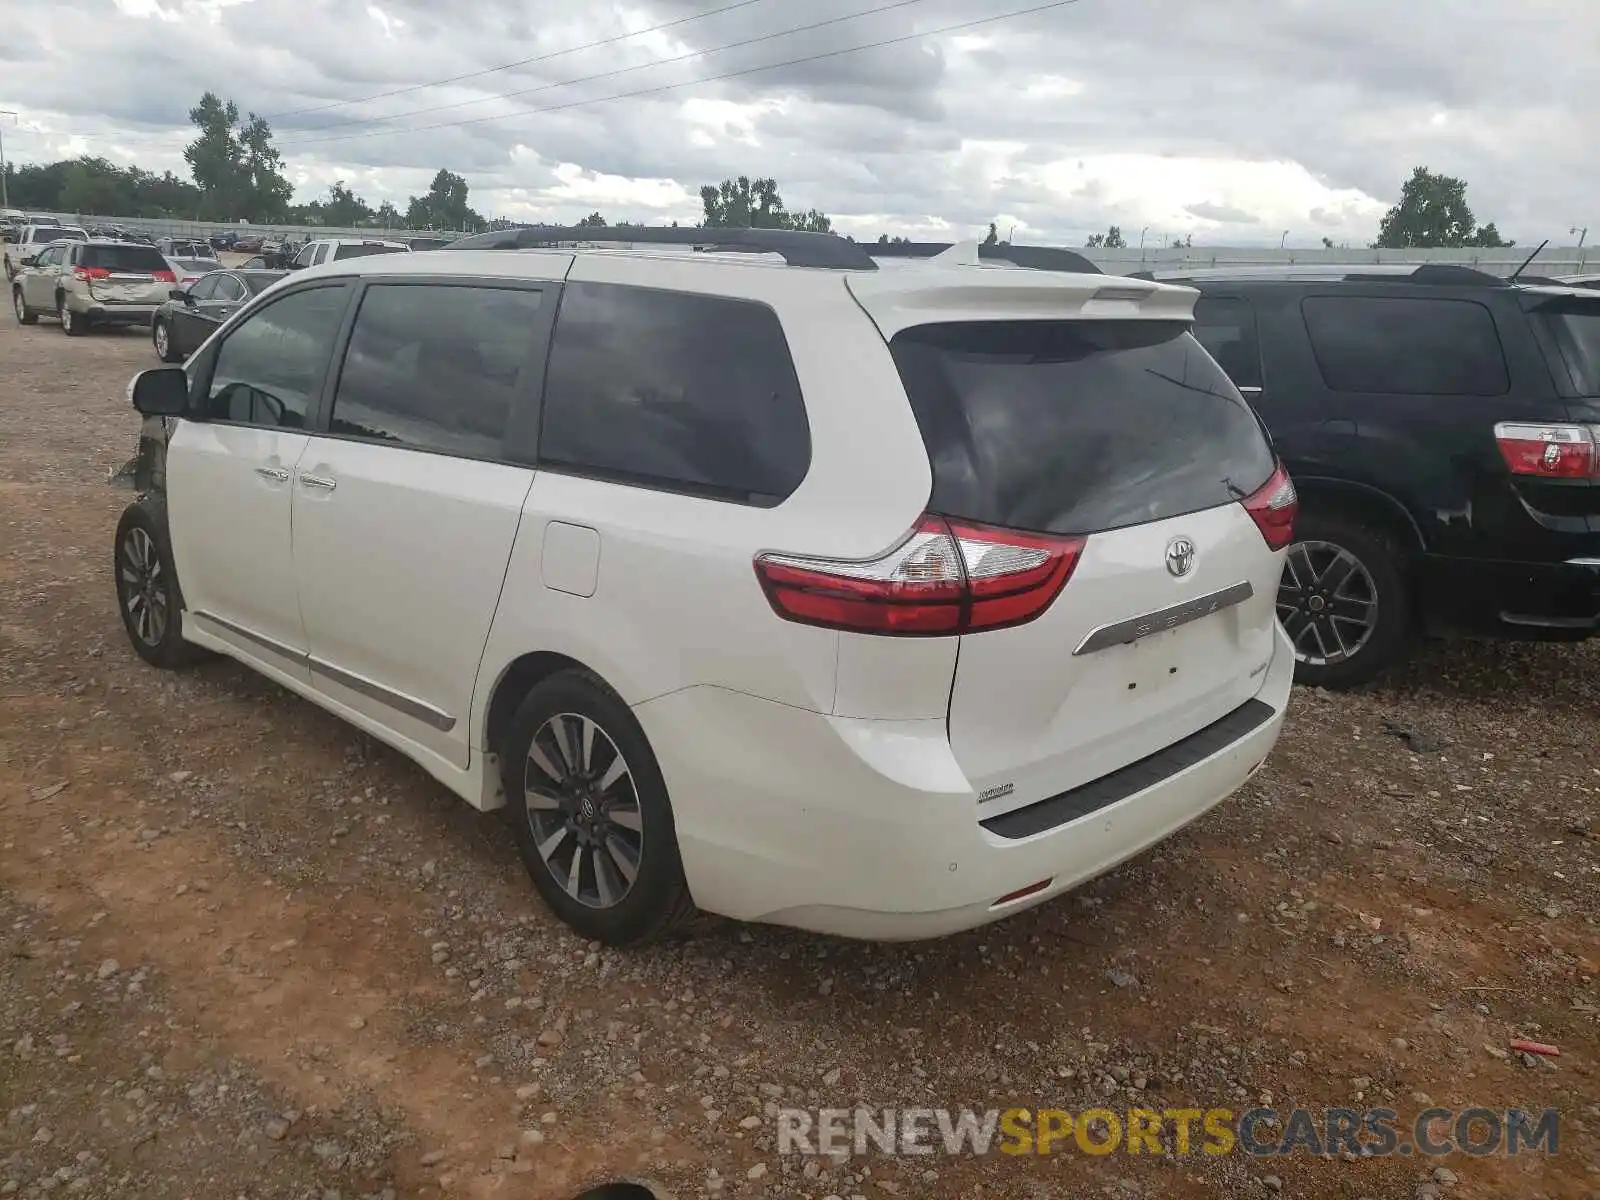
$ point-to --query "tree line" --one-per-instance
(237, 173)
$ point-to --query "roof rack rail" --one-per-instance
(1438, 274)
(1036, 258)
(798, 248)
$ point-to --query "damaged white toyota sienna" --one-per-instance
(747, 572)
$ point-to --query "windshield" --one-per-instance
(142, 260)
(1577, 334)
(59, 233)
(363, 251)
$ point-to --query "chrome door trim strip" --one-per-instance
(297, 657)
(399, 701)
(1122, 633)
(409, 705)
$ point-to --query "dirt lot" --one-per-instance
(249, 952)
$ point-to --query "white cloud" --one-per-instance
(1231, 120)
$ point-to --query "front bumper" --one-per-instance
(1533, 601)
(869, 829)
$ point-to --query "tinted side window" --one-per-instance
(435, 366)
(675, 391)
(1405, 347)
(228, 289)
(204, 288)
(270, 369)
(1226, 327)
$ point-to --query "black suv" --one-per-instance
(1442, 426)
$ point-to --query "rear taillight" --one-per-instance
(947, 577)
(1273, 506)
(88, 273)
(163, 276)
(1549, 451)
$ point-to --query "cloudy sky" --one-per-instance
(1231, 120)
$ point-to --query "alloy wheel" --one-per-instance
(144, 587)
(1327, 603)
(160, 336)
(65, 314)
(18, 305)
(583, 810)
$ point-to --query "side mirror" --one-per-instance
(160, 392)
(31, 261)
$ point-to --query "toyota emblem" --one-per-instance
(1180, 557)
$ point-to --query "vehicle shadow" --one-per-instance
(1504, 675)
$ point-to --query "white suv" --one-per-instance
(882, 603)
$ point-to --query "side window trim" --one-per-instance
(518, 446)
(200, 386)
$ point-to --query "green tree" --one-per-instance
(1327, 243)
(238, 169)
(1433, 211)
(388, 216)
(90, 185)
(444, 206)
(993, 238)
(1111, 239)
(344, 207)
(746, 203)
(593, 221)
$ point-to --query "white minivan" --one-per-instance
(745, 575)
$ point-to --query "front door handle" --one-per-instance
(318, 481)
(276, 474)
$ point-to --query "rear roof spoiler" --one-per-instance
(1036, 258)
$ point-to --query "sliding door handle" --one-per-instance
(276, 474)
(318, 481)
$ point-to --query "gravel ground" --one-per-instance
(249, 952)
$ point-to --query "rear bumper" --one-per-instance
(102, 313)
(869, 829)
(1534, 601)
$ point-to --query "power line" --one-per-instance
(521, 62)
(612, 74)
(669, 87)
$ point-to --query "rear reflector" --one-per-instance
(1273, 507)
(946, 578)
(163, 276)
(1033, 889)
(1549, 451)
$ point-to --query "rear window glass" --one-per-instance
(1077, 426)
(136, 259)
(1405, 347)
(362, 251)
(675, 391)
(1577, 335)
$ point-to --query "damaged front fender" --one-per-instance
(146, 471)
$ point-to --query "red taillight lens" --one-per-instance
(1549, 451)
(945, 578)
(163, 276)
(1273, 506)
(88, 273)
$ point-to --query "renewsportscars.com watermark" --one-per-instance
(1263, 1132)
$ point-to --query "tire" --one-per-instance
(161, 338)
(148, 596)
(71, 323)
(1341, 565)
(588, 817)
(25, 315)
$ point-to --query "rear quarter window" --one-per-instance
(674, 391)
(1404, 346)
(1575, 328)
(1074, 427)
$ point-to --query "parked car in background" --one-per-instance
(185, 248)
(190, 314)
(430, 242)
(1591, 282)
(187, 270)
(258, 262)
(33, 239)
(84, 284)
(224, 240)
(40, 219)
(900, 568)
(247, 243)
(325, 250)
(1443, 428)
